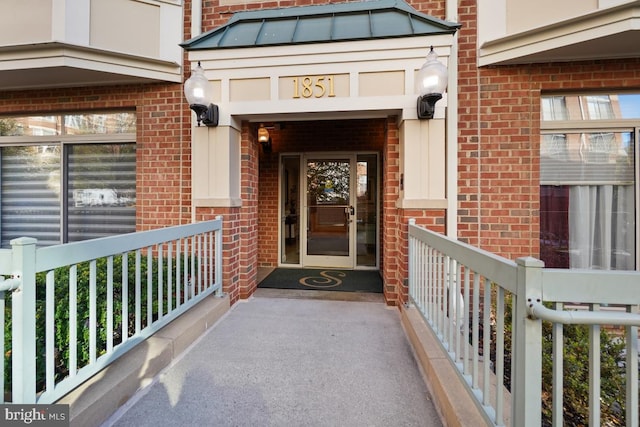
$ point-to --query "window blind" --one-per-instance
(30, 194)
(101, 194)
(587, 159)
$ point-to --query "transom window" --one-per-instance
(588, 181)
(67, 177)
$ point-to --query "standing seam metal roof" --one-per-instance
(375, 19)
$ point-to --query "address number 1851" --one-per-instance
(318, 87)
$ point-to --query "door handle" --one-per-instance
(352, 211)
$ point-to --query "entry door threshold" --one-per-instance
(319, 295)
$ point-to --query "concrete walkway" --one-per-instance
(277, 361)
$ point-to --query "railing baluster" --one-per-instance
(195, 275)
(594, 371)
(170, 294)
(632, 371)
(160, 281)
(218, 234)
(2, 343)
(475, 328)
(557, 371)
(424, 277)
(500, 355)
(93, 323)
(125, 297)
(446, 290)
(50, 345)
(199, 262)
(486, 343)
(149, 286)
(138, 292)
(73, 320)
(212, 253)
(178, 281)
(452, 303)
(438, 311)
(109, 304)
(465, 326)
(458, 310)
(413, 286)
(186, 279)
(431, 279)
(205, 260)
(423, 284)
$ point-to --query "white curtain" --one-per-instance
(602, 227)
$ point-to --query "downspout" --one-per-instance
(451, 11)
(196, 29)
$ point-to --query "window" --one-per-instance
(588, 172)
(554, 108)
(599, 107)
(76, 185)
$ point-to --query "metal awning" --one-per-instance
(376, 19)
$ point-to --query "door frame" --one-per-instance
(329, 261)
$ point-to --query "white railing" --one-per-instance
(75, 308)
(463, 294)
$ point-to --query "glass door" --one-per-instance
(329, 235)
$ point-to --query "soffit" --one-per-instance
(366, 20)
(59, 65)
(611, 33)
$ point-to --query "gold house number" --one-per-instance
(307, 87)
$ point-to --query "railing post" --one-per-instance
(23, 321)
(218, 258)
(527, 350)
(412, 262)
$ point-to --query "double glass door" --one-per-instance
(335, 225)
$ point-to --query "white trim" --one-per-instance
(423, 204)
(130, 68)
(216, 203)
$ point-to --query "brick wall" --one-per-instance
(499, 138)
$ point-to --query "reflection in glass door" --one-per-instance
(290, 210)
(329, 212)
(367, 210)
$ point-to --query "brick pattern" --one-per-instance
(231, 256)
(249, 213)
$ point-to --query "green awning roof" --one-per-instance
(375, 19)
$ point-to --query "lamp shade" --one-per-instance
(263, 134)
(197, 88)
(432, 78)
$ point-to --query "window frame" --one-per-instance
(65, 140)
(549, 127)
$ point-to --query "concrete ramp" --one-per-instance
(291, 362)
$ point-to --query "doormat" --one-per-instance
(324, 280)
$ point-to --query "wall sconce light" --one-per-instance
(431, 82)
(199, 92)
(264, 138)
